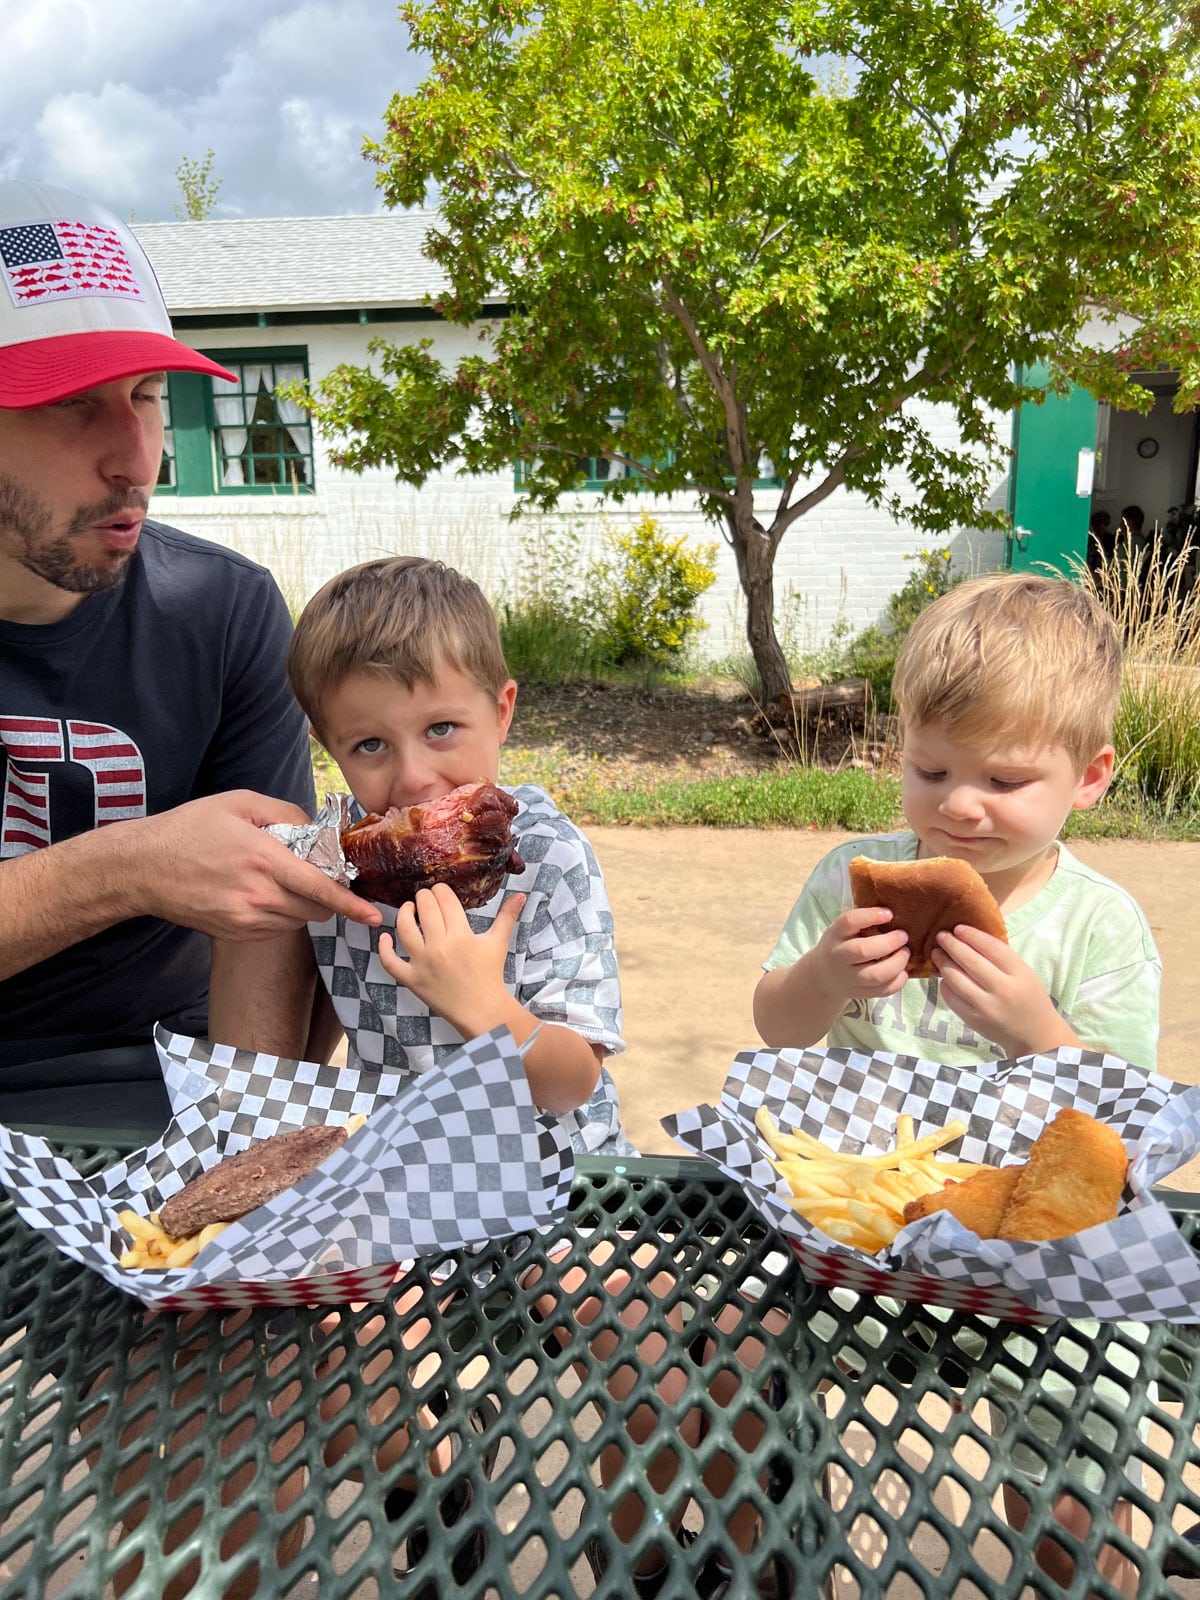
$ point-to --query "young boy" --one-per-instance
(399, 667)
(1006, 688)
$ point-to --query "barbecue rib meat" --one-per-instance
(241, 1183)
(462, 839)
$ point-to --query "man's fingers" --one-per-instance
(260, 809)
(506, 917)
(322, 895)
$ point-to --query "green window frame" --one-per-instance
(597, 472)
(239, 438)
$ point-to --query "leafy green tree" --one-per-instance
(746, 232)
(198, 188)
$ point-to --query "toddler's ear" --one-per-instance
(1097, 776)
(506, 704)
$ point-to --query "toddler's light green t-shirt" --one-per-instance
(1083, 935)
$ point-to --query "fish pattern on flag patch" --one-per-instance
(43, 261)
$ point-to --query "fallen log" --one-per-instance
(813, 701)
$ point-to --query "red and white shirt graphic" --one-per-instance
(36, 747)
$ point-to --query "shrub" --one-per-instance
(544, 615)
(644, 595)
(546, 642)
(872, 653)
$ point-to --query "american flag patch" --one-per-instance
(43, 261)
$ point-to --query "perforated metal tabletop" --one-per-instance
(872, 1439)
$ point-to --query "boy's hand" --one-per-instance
(859, 957)
(457, 973)
(988, 986)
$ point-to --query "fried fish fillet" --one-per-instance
(978, 1201)
(1072, 1180)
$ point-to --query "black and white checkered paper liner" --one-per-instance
(455, 1158)
(1137, 1268)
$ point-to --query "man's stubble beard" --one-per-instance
(25, 525)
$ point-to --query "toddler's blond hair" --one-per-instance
(404, 618)
(1013, 660)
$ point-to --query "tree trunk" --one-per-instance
(755, 554)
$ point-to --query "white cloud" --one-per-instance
(283, 93)
(87, 138)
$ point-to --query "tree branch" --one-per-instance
(735, 430)
(837, 473)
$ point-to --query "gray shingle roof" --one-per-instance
(297, 263)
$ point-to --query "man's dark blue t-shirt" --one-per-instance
(166, 688)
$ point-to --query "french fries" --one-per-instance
(859, 1200)
(155, 1249)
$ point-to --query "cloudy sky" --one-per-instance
(109, 96)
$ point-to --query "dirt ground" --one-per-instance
(697, 910)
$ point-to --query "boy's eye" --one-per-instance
(440, 730)
(1005, 784)
(368, 747)
(928, 777)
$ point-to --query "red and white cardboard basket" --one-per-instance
(1138, 1268)
(448, 1160)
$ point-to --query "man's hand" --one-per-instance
(209, 865)
(457, 973)
(987, 985)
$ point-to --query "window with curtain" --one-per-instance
(239, 437)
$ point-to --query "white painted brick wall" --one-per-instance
(840, 562)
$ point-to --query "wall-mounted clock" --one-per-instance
(1147, 448)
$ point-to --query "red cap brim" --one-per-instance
(45, 370)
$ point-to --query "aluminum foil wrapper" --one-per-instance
(320, 841)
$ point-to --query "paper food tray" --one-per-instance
(1138, 1267)
(451, 1159)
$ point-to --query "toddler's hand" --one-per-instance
(987, 985)
(457, 973)
(860, 958)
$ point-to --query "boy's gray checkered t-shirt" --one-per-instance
(561, 965)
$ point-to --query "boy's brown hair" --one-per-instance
(406, 618)
(1013, 659)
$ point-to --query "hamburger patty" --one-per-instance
(241, 1183)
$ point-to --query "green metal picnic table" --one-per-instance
(883, 1436)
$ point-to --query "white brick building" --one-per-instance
(303, 294)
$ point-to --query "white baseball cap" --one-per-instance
(79, 302)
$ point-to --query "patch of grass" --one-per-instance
(327, 779)
(856, 801)
(1124, 814)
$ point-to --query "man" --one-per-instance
(147, 732)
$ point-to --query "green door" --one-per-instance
(1048, 511)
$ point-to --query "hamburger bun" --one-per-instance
(925, 899)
